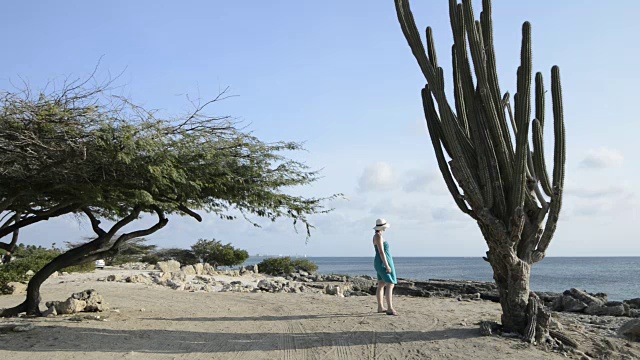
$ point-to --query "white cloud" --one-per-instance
(418, 181)
(602, 158)
(448, 214)
(377, 177)
(596, 192)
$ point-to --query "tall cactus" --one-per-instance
(499, 181)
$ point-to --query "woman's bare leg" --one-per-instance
(379, 296)
(389, 296)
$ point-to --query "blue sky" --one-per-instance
(340, 76)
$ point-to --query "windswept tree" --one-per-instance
(499, 182)
(81, 151)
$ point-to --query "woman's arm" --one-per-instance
(377, 239)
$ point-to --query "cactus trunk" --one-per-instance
(496, 180)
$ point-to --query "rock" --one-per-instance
(64, 273)
(114, 278)
(199, 268)
(363, 284)
(175, 285)
(189, 270)
(630, 330)
(615, 310)
(179, 276)
(236, 283)
(19, 327)
(208, 288)
(51, 311)
(209, 270)
(303, 273)
(334, 290)
(242, 270)
(168, 266)
(588, 299)
(54, 275)
(138, 279)
(253, 268)
(572, 304)
(150, 267)
(24, 327)
(30, 273)
(634, 313)
(204, 278)
(93, 301)
(69, 306)
(633, 303)
(14, 288)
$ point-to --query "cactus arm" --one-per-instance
(462, 66)
(431, 48)
(538, 129)
(522, 116)
(452, 128)
(433, 123)
(458, 94)
(558, 166)
(503, 150)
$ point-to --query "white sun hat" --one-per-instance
(381, 224)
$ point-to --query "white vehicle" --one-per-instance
(99, 264)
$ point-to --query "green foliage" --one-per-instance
(285, 265)
(217, 254)
(183, 256)
(33, 258)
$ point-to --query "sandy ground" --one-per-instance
(160, 323)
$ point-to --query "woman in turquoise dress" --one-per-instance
(386, 272)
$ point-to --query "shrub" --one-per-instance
(215, 253)
(285, 265)
(33, 258)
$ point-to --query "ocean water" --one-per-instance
(619, 277)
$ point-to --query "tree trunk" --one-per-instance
(513, 286)
(31, 305)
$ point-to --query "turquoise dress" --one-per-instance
(381, 271)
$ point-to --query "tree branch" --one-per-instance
(95, 223)
(37, 218)
(190, 212)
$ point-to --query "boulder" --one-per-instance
(51, 311)
(179, 276)
(54, 275)
(94, 302)
(150, 267)
(633, 303)
(572, 304)
(175, 285)
(630, 330)
(209, 270)
(334, 290)
(138, 279)
(168, 266)
(114, 278)
(199, 268)
(189, 270)
(363, 284)
(303, 273)
(253, 268)
(588, 299)
(69, 306)
(242, 270)
(14, 288)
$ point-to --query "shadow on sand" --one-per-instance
(45, 339)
